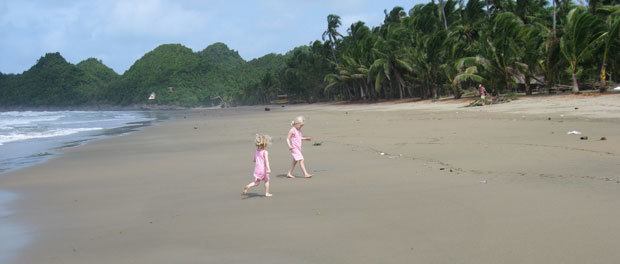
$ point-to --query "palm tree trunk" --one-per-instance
(443, 14)
(603, 87)
(528, 88)
(400, 83)
(362, 94)
(554, 14)
(575, 84)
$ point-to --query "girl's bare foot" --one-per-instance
(268, 195)
(290, 176)
(308, 176)
(245, 191)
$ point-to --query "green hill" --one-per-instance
(175, 73)
(51, 82)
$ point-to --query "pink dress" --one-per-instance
(260, 166)
(296, 144)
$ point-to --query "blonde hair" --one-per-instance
(262, 141)
(298, 120)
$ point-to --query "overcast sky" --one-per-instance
(120, 31)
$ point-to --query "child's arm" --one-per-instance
(288, 139)
(306, 138)
(267, 162)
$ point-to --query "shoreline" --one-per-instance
(53, 146)
(169, 192)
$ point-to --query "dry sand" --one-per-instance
(496, 184)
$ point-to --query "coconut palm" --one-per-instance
(611, 42)
(583, 35)
(331, 34)
(391, 60)
(532, 40)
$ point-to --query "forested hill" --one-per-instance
(175, 73)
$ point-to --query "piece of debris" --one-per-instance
(603, 138)
(346, 113)
(548, 118)
(584, 138)
(267, 109)
(450, 170)
(195, 127)
(442, 168)
(574, 132)
(316, 144)
(382, 153)
(576, 108)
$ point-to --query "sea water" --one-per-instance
(29, 137)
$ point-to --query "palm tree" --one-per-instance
(612, 42)
(583, 34)
(532, 39)
(331, 34)
(390, 60)
(466, 72)
(499, 52)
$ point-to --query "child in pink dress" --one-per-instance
(294, 139)
(261, 165)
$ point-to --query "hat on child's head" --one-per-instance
(298, 120)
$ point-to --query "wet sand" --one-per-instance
(497, 184)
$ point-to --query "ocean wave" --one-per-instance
(30, 113)
(47, 134)
(11, 123)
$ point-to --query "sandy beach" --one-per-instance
(424, 182)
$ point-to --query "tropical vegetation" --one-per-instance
(431, 50)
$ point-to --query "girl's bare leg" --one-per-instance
(290, 172)
(267, 193)
(303, 169)
(247, 187)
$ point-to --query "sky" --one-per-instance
(119, 32)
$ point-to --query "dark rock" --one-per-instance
(584, 138)
(603, 138)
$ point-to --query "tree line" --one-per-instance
(435, 49)
(443, 48)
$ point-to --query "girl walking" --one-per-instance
(294, 139)
(261, 164)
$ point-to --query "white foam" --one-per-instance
(29, 113)
(47, 134)
(11, 123)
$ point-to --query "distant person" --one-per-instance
(294, 139)
(261, 164)
(482, 91)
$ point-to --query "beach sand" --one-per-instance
(494, 184)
